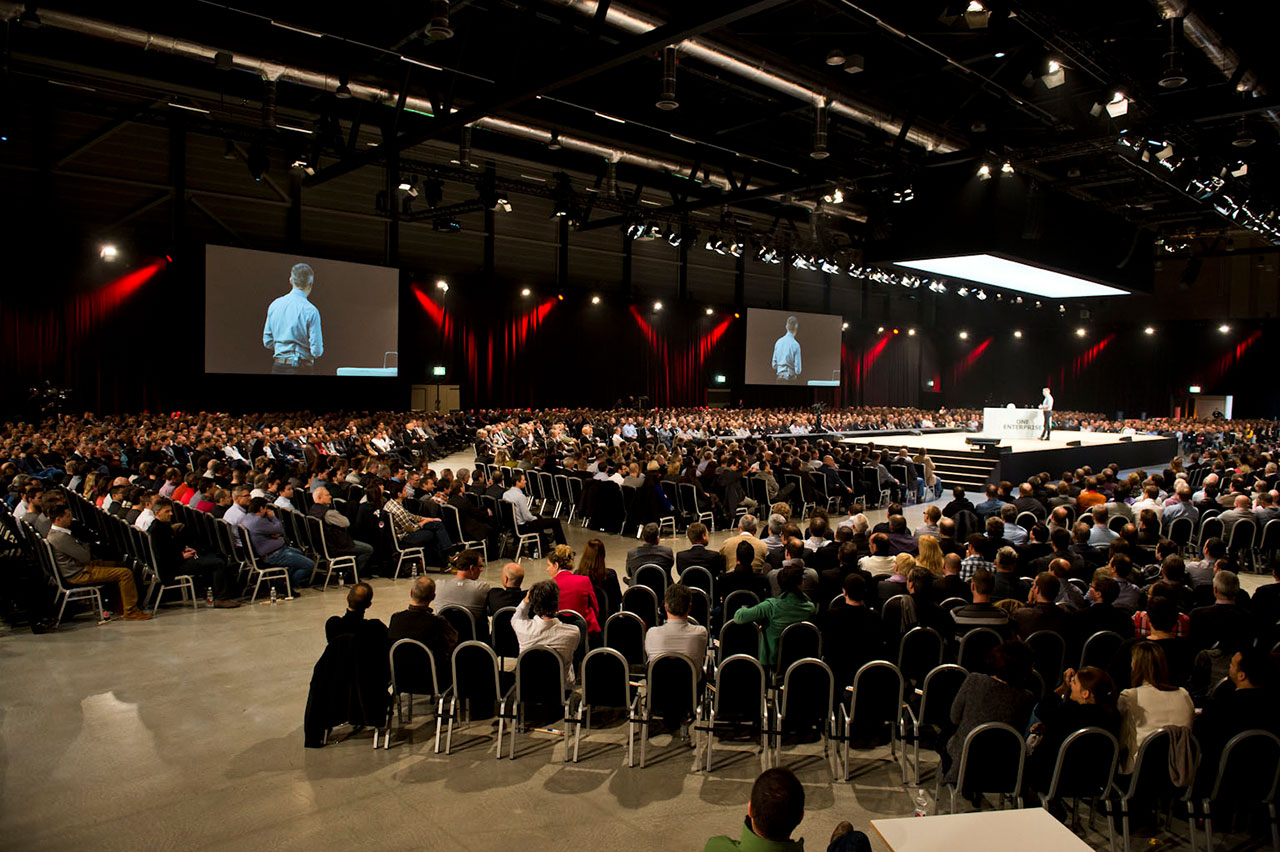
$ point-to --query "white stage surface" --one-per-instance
(954, 441)
(1015, 459)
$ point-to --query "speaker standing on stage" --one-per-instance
(786, 354)
(1046, 405)
(292, 331)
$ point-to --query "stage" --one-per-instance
(1015, 459)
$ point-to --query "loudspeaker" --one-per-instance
(983, 442)
(1126, 439)
(1073, 443)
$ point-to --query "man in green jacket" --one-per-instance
(775, 810)
(777, 613)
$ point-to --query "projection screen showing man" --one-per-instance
(790, 348)
(285, 315)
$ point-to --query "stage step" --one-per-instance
(973, 470)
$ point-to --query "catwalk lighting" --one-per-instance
(1080, 332)
(1055, 76)
(710, 311)
(1224, 328)
(657, 306)
(1118, 106)
(595, 300)
(635, 230)
(964, 335)
(1149, 330)
(844, 326)
(827, 266)
(108, 252)
(442, 286)
(904, 195)
(834, 197)
(1017, 333)
(526, 292)
(716, 244)
(675, 238)
(911, 332)
(409, 187)
(984, 172)
(1012, 275)
(735, 247)
(1007, 168)
(982, 295)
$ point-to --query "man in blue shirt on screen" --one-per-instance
(292, 331)
(786, 354)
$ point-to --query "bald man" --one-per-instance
(419, 623)
(510, 593)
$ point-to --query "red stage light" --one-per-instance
(737, 316)
(895, 331)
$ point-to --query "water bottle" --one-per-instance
(414, 575)
(106, 616)
(922, 804)
(273, 594)
(208, 596)
(341, 580)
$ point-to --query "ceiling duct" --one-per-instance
(275, 71)
(1204, 37)
(748, 68)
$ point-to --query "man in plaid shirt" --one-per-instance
(415, 531)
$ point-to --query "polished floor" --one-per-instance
(185, 732)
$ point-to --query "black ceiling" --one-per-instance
(972, 93)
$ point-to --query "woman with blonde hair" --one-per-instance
(930, 555)
(576, 591)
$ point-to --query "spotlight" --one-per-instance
(911, 332)
(526, 292)
(982, 295)
(984, 172)
(1080, 332)
(1244, 138)
(819, 150)
(895, 331)
(735, 248)
(667, 97)
(854, 63)
(999, 54)
(880, 329)
(1018, 334)
(962, 292)
(595, 300)
(1007, 168)
(1224, 328)
(674, 238)
(976, 16)
(827, 266)
(442, 286)
(737, 315)
(1118, 106)
(657, 306)
(1038, 304)
(1056, 75)
(834, 197)
(635, 230)
(710, 311)
(844, 326)
(1240, 169)
(258, 162)
(560, 296)
(1148, 330)
(964, 335)
(409, 187)
(904, 195)
(108, 252)
(835, 57)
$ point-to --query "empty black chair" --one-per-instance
(740, 699)
(1247, 774)
(737, 639)
(476, 689)
(606, 682)
(502, 638)
(624, 633)
(461, 620)
(873, 702)
(806, 702)
(672, 692)
(991, 761)
(540, 680)
(919, 653)
(1084, 769)
(1049, 651)
(413, 672)
(1150, 781)
(937, 694)
(653, 576)
(798, 641)
(641, 601)
(735, 601)
(697, 577)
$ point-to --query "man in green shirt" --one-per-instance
(775, 810)
(789, 607)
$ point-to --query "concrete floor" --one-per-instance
(185, 732)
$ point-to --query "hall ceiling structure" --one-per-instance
(772, 105)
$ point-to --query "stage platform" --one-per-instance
(1015, 459)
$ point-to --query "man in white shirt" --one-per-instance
(786, 363)
(292, 331)
(285, 500)
(677, 635)
(1046, 405)
(527, 521)
(536, 626)
(467, 590)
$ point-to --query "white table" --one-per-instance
(981, 831)
(1012, 422)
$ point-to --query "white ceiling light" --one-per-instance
(1012, 275)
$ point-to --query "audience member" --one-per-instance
(775, 810)
(536, 626)
(75, 562)
(1151, 703)
(509, 594)
(780, 612)
(420, 624)
(649, 552)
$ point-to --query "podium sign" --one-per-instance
(1012, 422)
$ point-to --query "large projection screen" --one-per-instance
(792, 348)
(257, 322)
